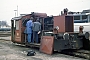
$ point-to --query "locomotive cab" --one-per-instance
(19, 25)
(18, 28)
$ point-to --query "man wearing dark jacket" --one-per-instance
(36, 30)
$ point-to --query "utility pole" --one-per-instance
(16, 11)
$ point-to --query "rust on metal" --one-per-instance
(64, 23)
(17, 36)
(47, 44)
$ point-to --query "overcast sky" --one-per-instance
(51, 7)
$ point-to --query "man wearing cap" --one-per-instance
(36, 30)
(29, 25)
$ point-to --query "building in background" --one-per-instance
(4, 26)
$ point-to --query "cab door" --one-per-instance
(12, 30)
(18, 31)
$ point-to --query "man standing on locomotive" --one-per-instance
(36, 30)
(29, 25)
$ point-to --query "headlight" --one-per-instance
(66, 36)
(87, 35)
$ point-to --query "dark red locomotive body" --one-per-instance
(57, 33)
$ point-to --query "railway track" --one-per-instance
(78, 53)
(5, 34)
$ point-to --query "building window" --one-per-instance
(89, 18)
(84, 17)
(76, 17)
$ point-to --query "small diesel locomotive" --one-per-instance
(57, 33)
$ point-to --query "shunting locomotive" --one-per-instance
(57, 33)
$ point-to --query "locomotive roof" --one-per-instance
(32, 13)
(21, 15)
(16, 18)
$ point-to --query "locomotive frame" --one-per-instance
(57, 33)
